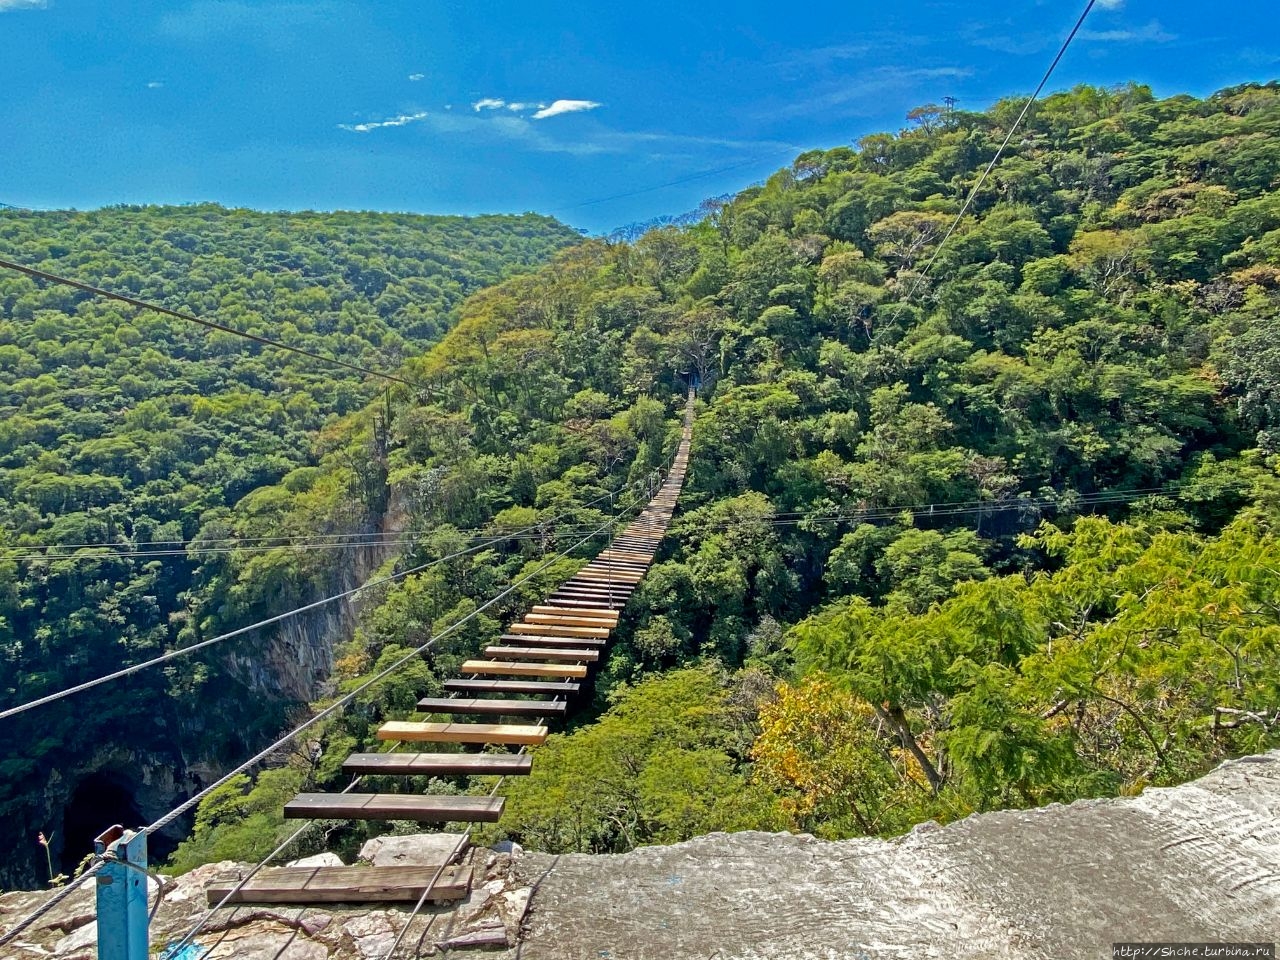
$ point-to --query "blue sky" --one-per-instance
(468, 107)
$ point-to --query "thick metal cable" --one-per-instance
(183, 651)
(333, 708)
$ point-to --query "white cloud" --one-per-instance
(397, 121)
(155, 84)
(565, 106)
(520, 107)
(1110, 4)
(1151, 33)
(417, 76)
(7, 5)
(488, 103)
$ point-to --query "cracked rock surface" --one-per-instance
(1190, 863)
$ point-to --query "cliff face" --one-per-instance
(1199, 862)
(150, 769)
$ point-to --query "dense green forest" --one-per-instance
(996, 534)
(128, 428)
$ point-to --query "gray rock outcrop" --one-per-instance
(1199, 862)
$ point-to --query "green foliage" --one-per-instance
(875, 456)
(126, 427)
(664, 763)
(1144, 657)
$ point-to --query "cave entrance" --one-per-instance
(101, 799)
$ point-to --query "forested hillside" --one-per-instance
(995, 535)
(139, 433)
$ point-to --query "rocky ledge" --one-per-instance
(1191, 863)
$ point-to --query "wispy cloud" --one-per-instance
(396, 121)
(867, 92)
(1110, 4)
(565, 106)
(1151, 33)
(155, 84)
(267, 24)
(544, 110)
(415, 77)
(804, 63)
(8, 5)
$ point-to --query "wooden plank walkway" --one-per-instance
(343, 885)
(546, 655)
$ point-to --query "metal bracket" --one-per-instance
(122, 894)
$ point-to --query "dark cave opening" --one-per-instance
(100, 800)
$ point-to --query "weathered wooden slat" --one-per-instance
(590, 588)
(502, 733)
(597, 613)
(501, 708)
(616, 563)
(614, 576)
(394, 806)
(554, 654)
(511, 668)
(440, 764)
(343, 885)
(569, 601)
(533, 640)
(544, 688)
(567, 620)
(559, 630)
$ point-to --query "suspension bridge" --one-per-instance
(504, 698)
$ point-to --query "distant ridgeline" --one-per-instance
(130, 428)
(997, 535)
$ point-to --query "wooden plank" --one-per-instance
(567, 620)
(608, 576)
(559, 599)
(511, 668)
(440, 764)
(600, 613)
(534, 640)
(502, 708)
(394, 806)
(597, 615)
(343, 885)
(539, 688)
(504, 733)
(559, 630)
(591, 588)
(556, 654)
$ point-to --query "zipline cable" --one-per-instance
(173, 654)
(1026, 107)
(12, 933)
(172, 950)
(209, 324)
(338, 705)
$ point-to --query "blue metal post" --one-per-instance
(122, 895)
